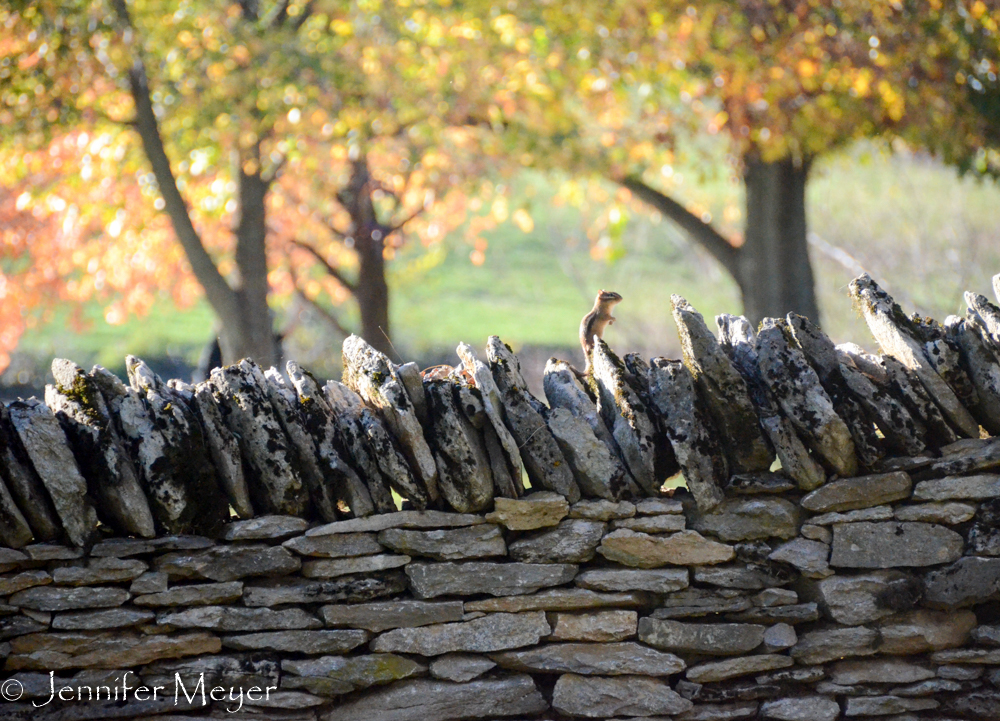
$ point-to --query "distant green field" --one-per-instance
(909, 221)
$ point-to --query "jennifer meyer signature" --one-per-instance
(12, 690)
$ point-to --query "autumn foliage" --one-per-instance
(418, 102)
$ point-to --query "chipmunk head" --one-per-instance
(608, 297)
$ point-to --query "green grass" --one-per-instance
(920, 230)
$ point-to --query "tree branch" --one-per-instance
(337, 275)
(320, 310)
(400, 224)
(708, 237)
(220, 295)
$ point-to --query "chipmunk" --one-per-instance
(596, 321)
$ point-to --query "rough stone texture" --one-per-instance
(403, 519)
(663, 580)
(371, 375)
(880, 670)
(737, 337)
(779, 637)
(54, 598)
(494, 632)
(114, 649)
(863, 492)
(600, 626)
(508, 484)
(749, 577)
(752, 484)
(885, 705)
(96, 620)
(697, 602)
(465, 478)
(806, 708)
(822, 534)
(608, 659)
(234, 619)
(734, 667)
(903, 433)
(268, 457)
(537, 510)
(745, 519)
(667, 523)
(442, 701)
(972, 488)
(876, 513)
(335, 675)
(167, 442)
(980, 361)
(713, 639)
(803, 400)
(942, 512)
(335, 418)
(895, 334)
(721, 712)
(599, 697)
(482, 541)
(348, 589)
(645, 551)
(384, 615)
(596, 469)
(922, 631)
(265, 528)
(572, 541)
(47, 447)
(602, 510)
(723, 390)
(460, 667)
(544, 462)
(823, 646)
(333, 567)
(229, 563)
(627, 416)
(27, 494)
(888, 545)
(104, 461)
(345, 545)
(99, 570)
(20, 581)
(967, 582)
(692, 437)
(325, 641)
(810, 557)
(224, 450)
(199, 594)
(496, 579)
(558, 599)
(863, 598)
(564, 390)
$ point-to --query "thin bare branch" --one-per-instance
(399, 226)
(328, 267)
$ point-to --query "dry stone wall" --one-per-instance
(264, 546)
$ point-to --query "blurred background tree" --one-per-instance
(260, 122)
(293, 146)
(639, 85)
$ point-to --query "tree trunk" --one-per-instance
(249, 331)
(371, 291)
(773, 271)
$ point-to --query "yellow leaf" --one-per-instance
(523, 220)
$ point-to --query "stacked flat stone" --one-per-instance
(859, 577)
(155, 457)
(871, 596)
